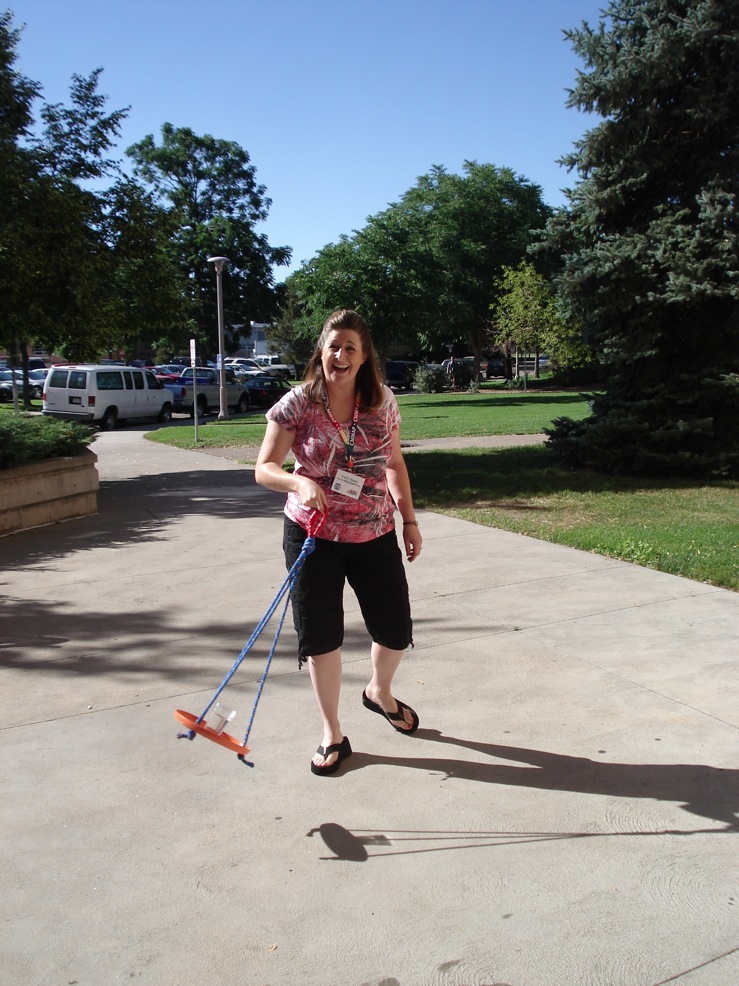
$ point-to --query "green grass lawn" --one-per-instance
(6, 407)
(486, 413)
(424, 416)
(685, 528)
(688, 528)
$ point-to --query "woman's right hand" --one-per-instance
(312, 495)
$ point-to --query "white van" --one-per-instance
(105, 394)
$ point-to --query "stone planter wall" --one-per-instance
(48, 492)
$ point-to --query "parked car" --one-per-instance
(271, 359)
(266, 390)
(185, 361)
(6, 385)
(276, 366)
(242, 367)
(399, 373)
(207, 391)
(105, 394)
(495, 367)
(167, 371)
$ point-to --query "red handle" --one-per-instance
(318, 519)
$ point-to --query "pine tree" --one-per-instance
(651, 241)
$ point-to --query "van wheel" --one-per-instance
(243, 406)
(165, 415)
(108, 420)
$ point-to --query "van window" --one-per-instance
(77, 380)
(58, 378)
(107, 380)
(138, 379)
(152, 382)
(128, 380)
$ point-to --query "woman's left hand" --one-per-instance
(413, 541)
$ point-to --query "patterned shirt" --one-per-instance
(319, 452)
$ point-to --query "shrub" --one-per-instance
(430, 378)
(27, 438)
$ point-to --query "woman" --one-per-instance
(342, 426)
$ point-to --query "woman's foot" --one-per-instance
(328, 758)
(402, 718)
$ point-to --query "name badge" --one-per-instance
(348, 484)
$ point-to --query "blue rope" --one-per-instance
(285, 590)
(263, 680)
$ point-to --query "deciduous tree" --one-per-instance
(424, 271)
(70, 304)
(17, 168)
(526, 316)
(55, 262)
(216, 203)
(478, 223)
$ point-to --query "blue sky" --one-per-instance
(341, 104)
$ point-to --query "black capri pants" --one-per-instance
(374, 570)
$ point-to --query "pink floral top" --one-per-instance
(319, 452)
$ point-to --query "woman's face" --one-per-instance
(341, 357)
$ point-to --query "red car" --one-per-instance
(167, 371)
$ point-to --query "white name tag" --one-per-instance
(348, 484)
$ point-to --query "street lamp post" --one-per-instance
(218, 262)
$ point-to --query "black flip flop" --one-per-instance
(392, 717)
(344, 750)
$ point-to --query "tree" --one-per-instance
(83, 269)
(526, 316)
(330, 280)
(55, 264)
(17, 95)
(650, 242)
(210, 189)
(69, 281)
(371, 272)
(423, 272)
(282, 335)
(149, 295)
(478, 223)
(77, 137)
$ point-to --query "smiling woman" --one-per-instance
(342, 427)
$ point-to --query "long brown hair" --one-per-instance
(369, 378)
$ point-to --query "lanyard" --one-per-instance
(349, 439)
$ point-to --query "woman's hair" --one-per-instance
(369, 378)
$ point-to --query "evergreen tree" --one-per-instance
(650, 243)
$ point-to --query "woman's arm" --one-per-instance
(399, 485)
(269, 472)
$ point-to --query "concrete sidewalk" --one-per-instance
(566, 814)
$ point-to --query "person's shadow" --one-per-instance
(710, 792)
